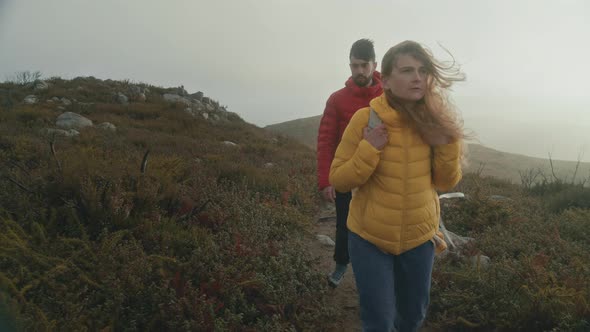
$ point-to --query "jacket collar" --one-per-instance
(374, 89)
(386, 113)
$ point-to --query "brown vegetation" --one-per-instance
(196, 235)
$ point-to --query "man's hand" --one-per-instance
(377, 137)
(329, 194)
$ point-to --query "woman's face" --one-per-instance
(408, 79)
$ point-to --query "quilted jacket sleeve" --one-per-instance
(446, 170)
(355, 159)
(327, 142)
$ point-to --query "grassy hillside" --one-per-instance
(189, 219)
(484, 160)
(209, 236)
(304, 130)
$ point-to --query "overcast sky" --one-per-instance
(527, 62)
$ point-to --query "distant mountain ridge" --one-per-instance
(490, 162)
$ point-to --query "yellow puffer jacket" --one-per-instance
(395, 205)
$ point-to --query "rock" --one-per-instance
(60, 132)
(209, 107)
(197, 95)
(66, 101)
(107, 126)
(325, 240)
(30, 99)
(205, 115)
(191, 112)
(70, 120)
(228, 143)
(480, 261)
(452, 195)
(134, 90)
(206, 100)
(198, 160)
(500, 198)
(274, 140)
(176, 99)
(41, 85)
(61, 108)
(121, 98)
(182, 91)
(55, 99)
(456, 242)
(269, 165)
(198, 105)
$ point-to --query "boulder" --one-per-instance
(479, 261)
(59, 132)
(197, 95)
(228, 143)
(325, 240)
(121, 98)
(107, 126)
(173, 98)
(70, 120)
(41, 85)
(30, 99)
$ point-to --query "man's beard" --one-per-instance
(361, 80)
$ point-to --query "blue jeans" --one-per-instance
(394, 290)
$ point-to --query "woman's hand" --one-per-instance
(377, 137)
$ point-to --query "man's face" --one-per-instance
(362, 71)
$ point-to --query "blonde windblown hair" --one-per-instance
(433, 116)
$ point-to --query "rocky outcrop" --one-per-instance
(174, 98)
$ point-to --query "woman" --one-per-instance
(395, 169)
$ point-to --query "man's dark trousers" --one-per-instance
(341, 248)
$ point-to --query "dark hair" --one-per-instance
(363, 49)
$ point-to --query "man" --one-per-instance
(363, 85)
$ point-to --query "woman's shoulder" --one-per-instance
(361, 116)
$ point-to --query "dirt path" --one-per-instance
(344, 296)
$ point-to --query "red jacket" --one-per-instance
(340, 107)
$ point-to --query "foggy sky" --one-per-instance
(527, 62)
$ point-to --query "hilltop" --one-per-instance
(481, 159)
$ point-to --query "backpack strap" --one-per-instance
(374, 119)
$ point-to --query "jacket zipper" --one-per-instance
(405, 147)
